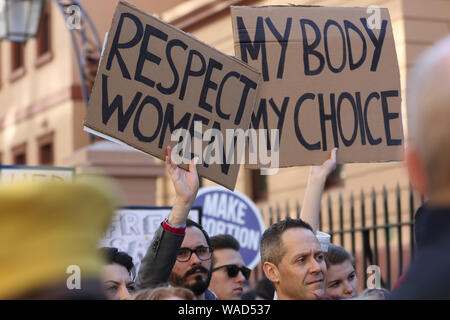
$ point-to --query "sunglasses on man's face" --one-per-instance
(233, 270)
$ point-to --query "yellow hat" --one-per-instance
(47, 227)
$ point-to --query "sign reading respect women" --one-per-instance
(310, 79)
(154, 79)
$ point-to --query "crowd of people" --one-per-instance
(46, 229)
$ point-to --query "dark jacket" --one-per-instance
(159, 260)
(420, 229)
(429, 274)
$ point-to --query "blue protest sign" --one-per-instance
(226, 212)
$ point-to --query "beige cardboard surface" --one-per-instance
(153, 79)
(326, 71)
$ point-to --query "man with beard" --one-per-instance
(192, 269)
(180, 252)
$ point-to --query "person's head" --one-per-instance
(49, 234)
(375, 294)
(228, 269)
(164, 293)
(341, 280)
(428, 104)
(266, 286)
(192, 269)
(117, 274)
(293, 260)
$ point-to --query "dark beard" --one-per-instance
(198, 287)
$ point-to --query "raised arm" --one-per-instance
(161, 256)
(314, 189)
(186, 186)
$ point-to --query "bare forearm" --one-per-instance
(186, 186)
(179, 213)
(311, 202)
(313, 195)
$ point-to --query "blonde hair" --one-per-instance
(162, 293)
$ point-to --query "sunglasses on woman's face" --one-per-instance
(233, 270)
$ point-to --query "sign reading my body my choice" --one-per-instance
(154, 79)
(330, 79)
(233, 213)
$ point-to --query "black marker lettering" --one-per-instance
(176, 77)
(115, 46)
(253, 48)
(301, 139)
(145, 55)
(148, 100)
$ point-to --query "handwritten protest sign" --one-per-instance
(154, 79)
(330, 79)
(132, 229)
(19, 173)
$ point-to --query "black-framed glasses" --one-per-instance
(203, 253)
(233, 270)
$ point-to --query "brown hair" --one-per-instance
(271, 246)
(337, 255)
(223, 241)
(162, 293)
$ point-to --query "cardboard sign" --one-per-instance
(19, 173)
(232, 213)
(132, 229)
(154, 79)
(330, 79)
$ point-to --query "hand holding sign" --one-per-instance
(186, 186)
(157, 86)
(320, 173)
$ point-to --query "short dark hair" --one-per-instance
(190, 223)
(113, 255)
(224, 241)
(271, 244)
(266, 286)
(337, 255)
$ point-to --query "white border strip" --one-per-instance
(106, 137)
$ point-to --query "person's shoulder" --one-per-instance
(210, 295)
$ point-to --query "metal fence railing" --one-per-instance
(376, 227)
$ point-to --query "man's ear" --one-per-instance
(271, 272)
(416, 170)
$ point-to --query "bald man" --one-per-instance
(428, 162)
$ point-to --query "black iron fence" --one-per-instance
(376, 227)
